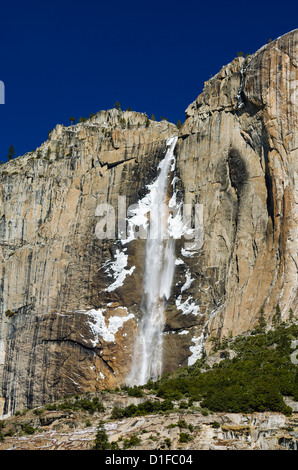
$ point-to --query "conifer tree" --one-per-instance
(11, 153)
(101, 440)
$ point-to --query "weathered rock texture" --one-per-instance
(66, 327)
(76, 430)
(53, 265)
(238, 156)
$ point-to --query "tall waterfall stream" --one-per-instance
(158, 277)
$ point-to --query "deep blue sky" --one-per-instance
(70, 58)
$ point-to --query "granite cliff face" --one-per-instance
(238, 156)
(56, 336)
(70, 301)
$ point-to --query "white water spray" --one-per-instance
(158, 277)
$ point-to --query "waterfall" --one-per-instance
(158, 277)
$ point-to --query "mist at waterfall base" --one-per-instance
(158, 277)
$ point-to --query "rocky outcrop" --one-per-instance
(70, 298)
(238, 157)
(63, 329)
(191, 430)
